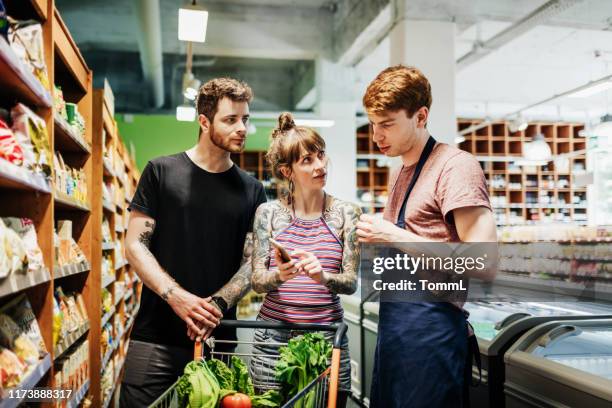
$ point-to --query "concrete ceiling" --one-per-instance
(272, 43)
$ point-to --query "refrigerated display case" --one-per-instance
(561, 363)
(499, 324)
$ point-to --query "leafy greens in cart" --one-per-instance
(301, 362)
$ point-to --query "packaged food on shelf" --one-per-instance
(108, 270)
(70, 312)
(30, 131)
(68, 251)
(14, 258)
(106, 231)
(26, 40)
(20, 337)
(107, 301)
(10, 149)
(68, 180)
(75, 119)
(12, 367)
(107, 381)
(59, 103)
(25, 230)
(72, 370)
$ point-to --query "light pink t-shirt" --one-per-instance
(450, 179)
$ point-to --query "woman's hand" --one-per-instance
(287, 270)
(310, 264)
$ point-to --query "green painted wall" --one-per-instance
(160, 135)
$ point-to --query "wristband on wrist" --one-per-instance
(221, 303)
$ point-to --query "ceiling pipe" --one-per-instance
(538, 16)
(487, 122)
(150, 45)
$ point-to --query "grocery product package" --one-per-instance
(31, 133)
(26, 40)
(19, 310)
(9, 148)
(24, 227)
(13, 254)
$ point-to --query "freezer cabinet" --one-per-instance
(561, 363)
(499, 324)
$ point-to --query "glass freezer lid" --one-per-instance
(489, 318)
(587, 349)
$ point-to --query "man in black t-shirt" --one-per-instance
(189, 240)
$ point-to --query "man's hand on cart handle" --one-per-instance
(195, 337)
(193, 309)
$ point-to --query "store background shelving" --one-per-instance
(519, 194)
(529, 194)
(31, 196)
(254, 162)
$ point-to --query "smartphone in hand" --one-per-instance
(283, 252)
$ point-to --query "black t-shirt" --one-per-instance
(201, 221)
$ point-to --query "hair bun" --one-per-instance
(285, 122)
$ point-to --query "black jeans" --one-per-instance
(150, 369)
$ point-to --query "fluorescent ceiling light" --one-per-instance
(192, 24)
(185, 113)
(593, 89)
(518, 125)
(191, 86)
(316, 123)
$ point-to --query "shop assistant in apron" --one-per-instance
(422, 347)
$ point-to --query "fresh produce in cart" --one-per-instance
(302, 361)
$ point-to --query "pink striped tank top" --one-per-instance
(302, 299)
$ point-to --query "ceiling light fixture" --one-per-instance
(316, 123)
(192, 23)
(592, 89)
(185, 113)
(518, 125)
(191, 86)
(536, 152)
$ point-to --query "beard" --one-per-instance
(224, 142)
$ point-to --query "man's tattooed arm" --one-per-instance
(269, 216)
(138, 243)
(343, 216)
(240, 284)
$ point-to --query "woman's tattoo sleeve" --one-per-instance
(345, 282)
(263, 280)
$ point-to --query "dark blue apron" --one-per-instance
(422, 347)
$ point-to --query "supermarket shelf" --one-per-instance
(109, 354)
(30, 382)
(118, 228)
(108, 169)
(72, 269)
(16, 282)
(72, 338)
(18, 82)
(128, 294)
(63, 200)
(66, 139)
(370, 204)
(108, 206)
(110, 395)
(78, 396)
(603, 291)
(121, 265)
(12, 176)
(107, 246)
(107, 316)
(109, 279)
(118, 300)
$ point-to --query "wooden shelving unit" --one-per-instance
(254, 163)
(372, 174)
(519, 195)
(32, 196)
(530, 194)
(116, 169)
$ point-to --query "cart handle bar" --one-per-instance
(339, 328)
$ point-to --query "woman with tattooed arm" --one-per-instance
(319, 232)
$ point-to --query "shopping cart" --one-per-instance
(323, 388)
